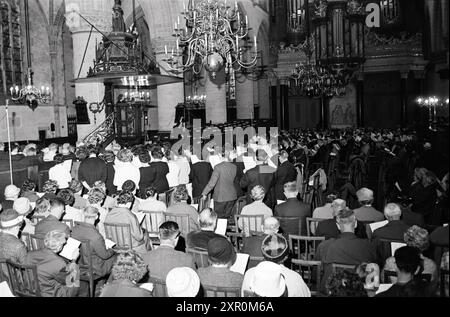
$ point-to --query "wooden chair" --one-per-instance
(249, 225)
(311, 225)
(304, 248)
(240, 203)
(68, 222)
(120, 234)
(33, 242)
(183, 221)
(151, 223)
(86, 267)
(23, 279)
(290, 225)
(200, 257)
(216, 291)
(311, 271)
(159, 287)
(443, 283)
(336, 267)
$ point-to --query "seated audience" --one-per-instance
(70, 213)
(60, 173)
(416, 237)
(150, 201)
(102, 259)
(221, 257)
(396, 228)
(293, 208)
(96, 197)
(407, 266)
(108, 202)
(28, 190)
(182, 207)
(53, 220)
(163, 259)
(77, 189)
(366, 213)
(11, 194)
(55, 276)
(325, 212)
(128, 270)
(265, 280)
(257, 207)
(11, 247)
(345, 284)
(122, 215)
(208, 222)
(23, 207)
(328, 228)
(182, 282)
(42, 208)
(275, 249)
(346, 249)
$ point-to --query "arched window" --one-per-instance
(10, 46)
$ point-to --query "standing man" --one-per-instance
(222, 181)
(92, 169)
(285, 173)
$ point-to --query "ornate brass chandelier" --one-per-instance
(31, 94)
(214, 34)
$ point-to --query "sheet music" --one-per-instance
(5, 291)
(69, 248)
(221, 228)
(241, 263)
(249, 162)
(376, 225)
(395, 246)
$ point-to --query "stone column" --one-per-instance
(98, 13)
(244, 97)
(216, 103)
(264, 98)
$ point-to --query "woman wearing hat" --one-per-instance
(11, 247)
(23, 207)
(11, 194)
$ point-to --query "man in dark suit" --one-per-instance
(285, 173)
(293, 208)
(160, 182)
(102, 258)
(92, 169)
(199, 177)
(263, 175)
(163, 259)
(252, 244)
(396, 228)
(199, 239)
(222, 181)
(346, 249)
(52, 222)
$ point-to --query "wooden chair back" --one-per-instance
(304, 248)
(290, 225)
(337, 267)
(33, 242)
(200, 257)
(249, 225)
(120, 234)
(182, 220)
(23, 279)
(152, 221)
(159, 287)
(311, 272)
(311, 225)
(240, 203)
(216, 291)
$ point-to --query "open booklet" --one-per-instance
(221, 228)
(377, 225)
(109, 244)
(383, 288)
(241, 263)
(69, 248)
(5, 291)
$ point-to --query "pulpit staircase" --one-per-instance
(104, 134)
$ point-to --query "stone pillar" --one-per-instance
(264, 98)
(244, 97)
(99, 14)
(216, 98)
(169, 95)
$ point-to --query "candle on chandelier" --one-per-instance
(256, 44)
(246, 21)
(178, 46)
(165, 48)
(237, 42)
(11, 90)
(17, 89)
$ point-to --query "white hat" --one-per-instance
(11, 191)
(268, 280)
(182, 282)
(22, 206)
